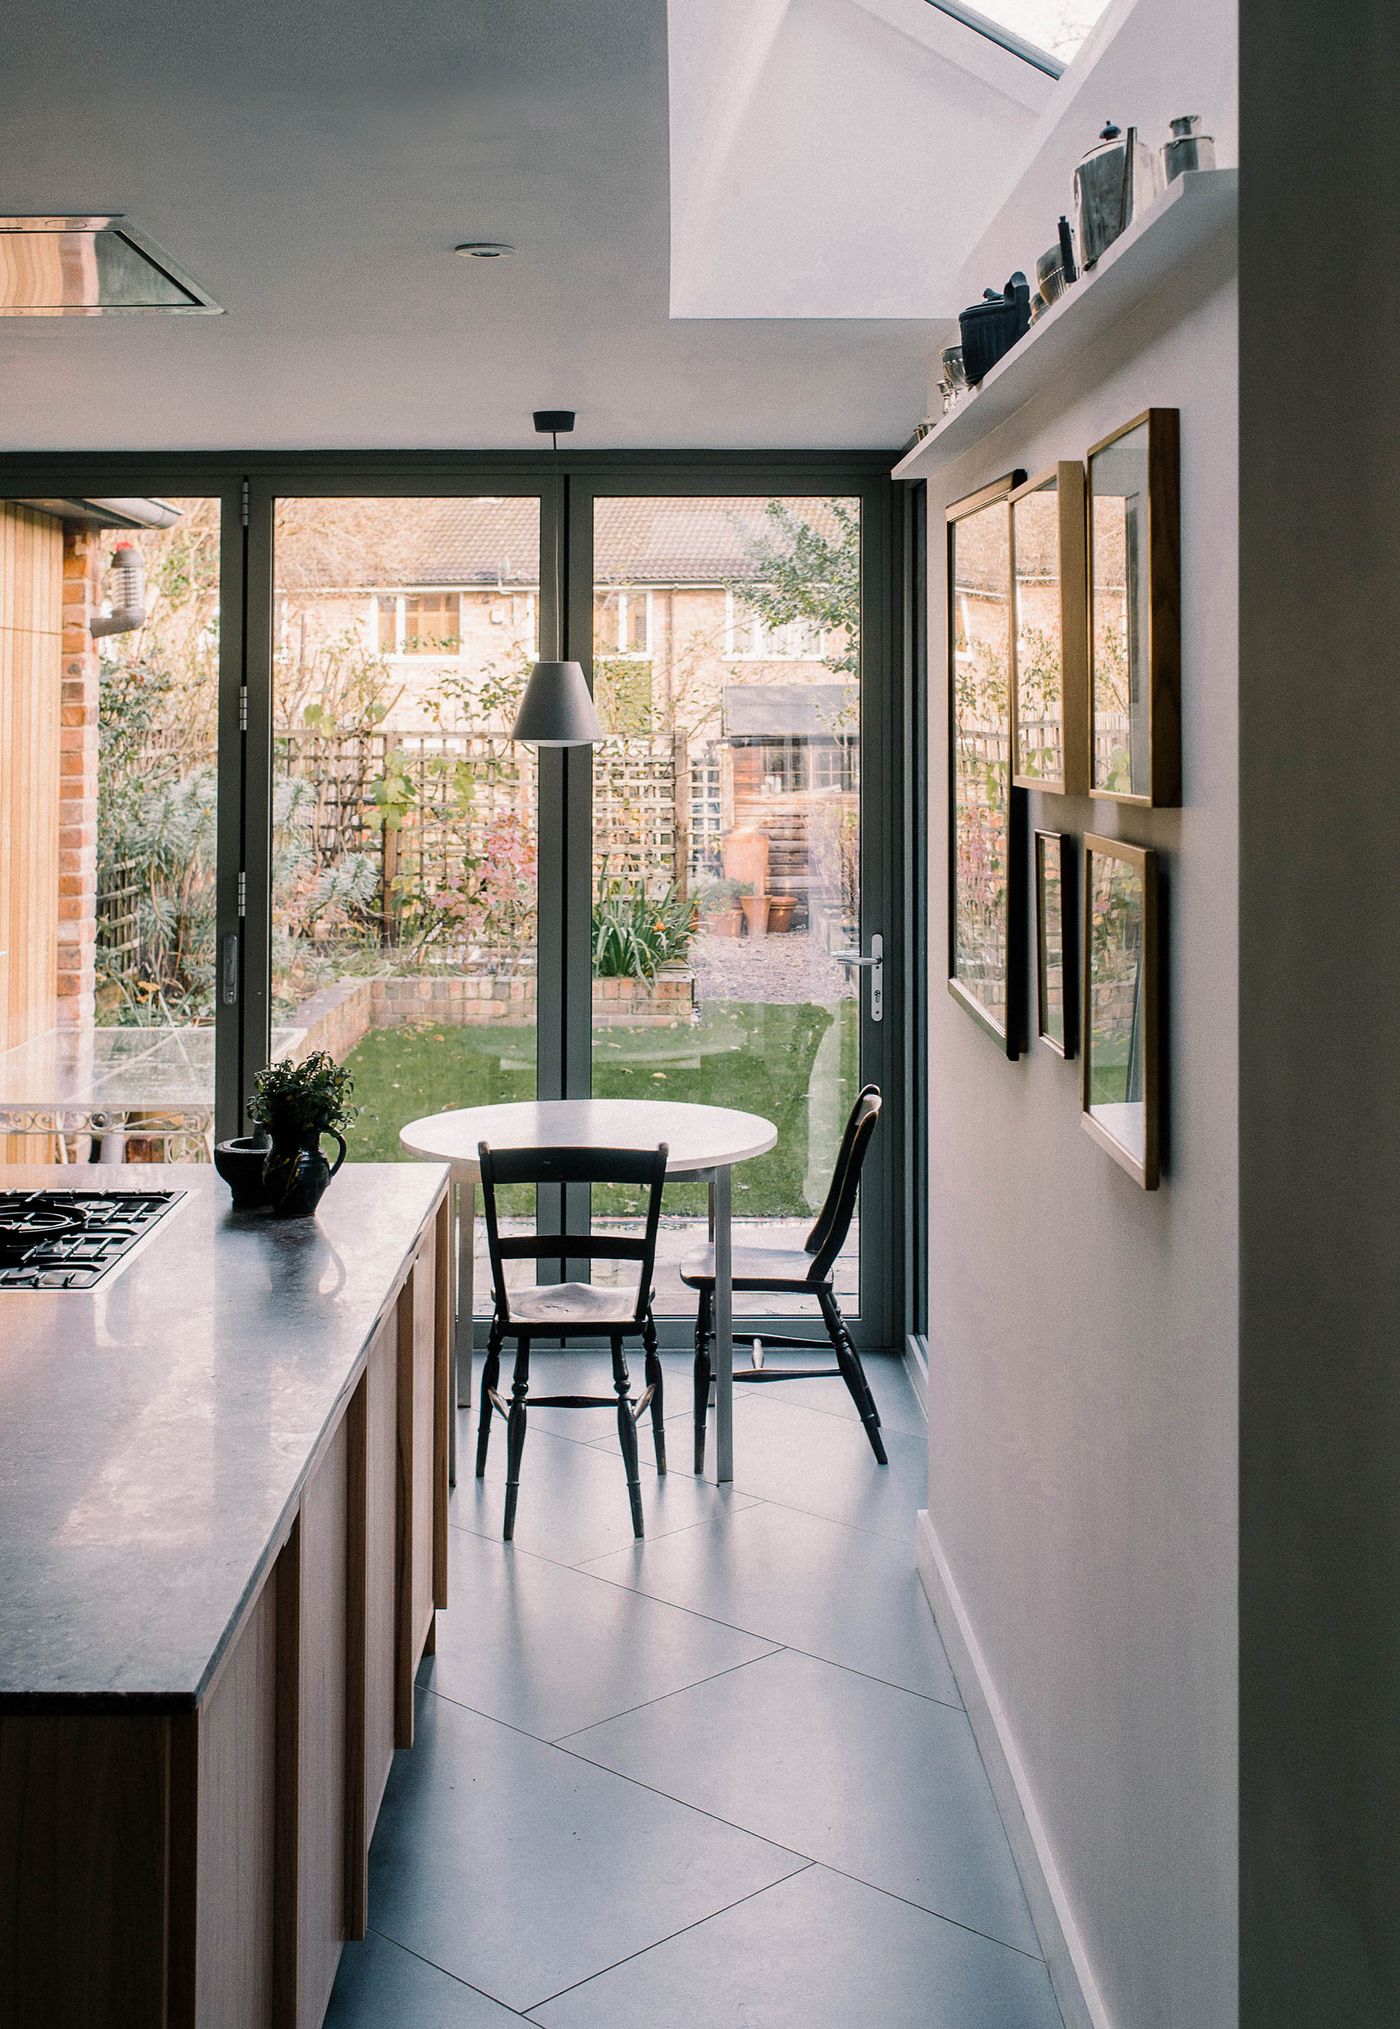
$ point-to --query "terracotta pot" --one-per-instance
(726, 924)
(755, 909)
(781, 910)
(745, 858)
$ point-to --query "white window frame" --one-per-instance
(759, 648)
(398, 653)
(615, 651)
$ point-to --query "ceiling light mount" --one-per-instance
(557, 709)
(484, 250)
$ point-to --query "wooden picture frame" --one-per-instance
(986, 884)
(1050, 632)
(1056, 942)
(1134, 594)
(1120, 1005)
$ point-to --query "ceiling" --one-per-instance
(313, 166)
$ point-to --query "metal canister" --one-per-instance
(1116, 180)
(1188, 147)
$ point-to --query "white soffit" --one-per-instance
(836, 158)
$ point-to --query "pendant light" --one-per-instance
(557, 709)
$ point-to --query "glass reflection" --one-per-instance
(1039, 638)
(1115, 1016)
(1118, 477)
(1050, 894)
(980, 586)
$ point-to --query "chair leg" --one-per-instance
(490, 1382)
(853, 1374)
(627, 1436)
(658, 1400)
(702, 1377)
(515, 1431)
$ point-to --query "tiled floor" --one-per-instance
(720, 1779)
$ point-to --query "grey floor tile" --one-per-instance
(796, 1579)
(380, 1983)
(575, 1372)
(899, 1406)
(816, 1952)
(894, 1395)
(573, 1498)
(523, 1870)
(551, 1650)
(866, 1778)
(824, 1465)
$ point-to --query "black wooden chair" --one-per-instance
(559, 1310)
(792, 1271)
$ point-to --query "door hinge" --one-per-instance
(243, 709)
(242, 894)
(245, 503)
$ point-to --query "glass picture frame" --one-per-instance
(1134, 580)
(1056, 939)
(1120, 1053)
(985, 839)
(1050, 634)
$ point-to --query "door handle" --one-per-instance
(230, 969)
(872, 962)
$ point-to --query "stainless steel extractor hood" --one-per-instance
(92, 266)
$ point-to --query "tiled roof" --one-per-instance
(654, 541)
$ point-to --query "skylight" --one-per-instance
(1046, 33)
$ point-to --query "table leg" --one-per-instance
(724, 1330)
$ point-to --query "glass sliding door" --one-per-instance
(727, 825)
(404, 835)
(109, 807)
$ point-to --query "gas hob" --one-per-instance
(71, 1239)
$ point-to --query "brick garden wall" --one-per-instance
(84, 556)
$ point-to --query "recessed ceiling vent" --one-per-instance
(89, 267)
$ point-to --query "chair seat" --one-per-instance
(580, 1305)
(755, 1268)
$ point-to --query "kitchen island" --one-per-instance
(223, 1516)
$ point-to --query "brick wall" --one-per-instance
(84, 559)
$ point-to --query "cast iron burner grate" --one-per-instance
(69, 1239)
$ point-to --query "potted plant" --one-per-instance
(297, 1104)
(781, 910)
(719, 908)
(755, 908)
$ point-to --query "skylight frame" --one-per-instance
(1006, 38)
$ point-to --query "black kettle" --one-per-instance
(990, 328)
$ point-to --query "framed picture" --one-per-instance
(1120, 1004)
(1050, 636)
(1057, 980)
(985, 897)
(1135, 612)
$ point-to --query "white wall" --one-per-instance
(1083, 1338)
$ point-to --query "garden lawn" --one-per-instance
(758, 1058)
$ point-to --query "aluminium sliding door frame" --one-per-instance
(879, 1323)
(248, 483)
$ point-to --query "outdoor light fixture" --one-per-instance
(557, 709)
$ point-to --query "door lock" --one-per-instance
(872, 962)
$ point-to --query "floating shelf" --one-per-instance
(1189, 212)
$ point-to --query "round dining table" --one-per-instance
(704, 1142)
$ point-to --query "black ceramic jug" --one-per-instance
(990, 328)
(296, 1173)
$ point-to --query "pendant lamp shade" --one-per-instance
(557, 710)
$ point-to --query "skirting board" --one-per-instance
(916, 1367)
(1071, 1974)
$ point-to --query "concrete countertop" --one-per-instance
(156, 1430)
